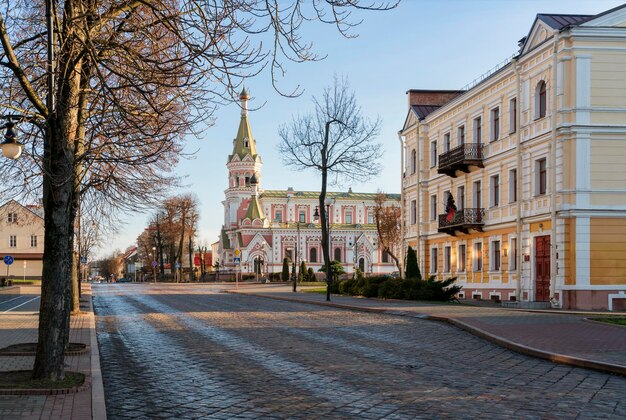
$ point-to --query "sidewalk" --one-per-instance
(88, 403)
(563, 337)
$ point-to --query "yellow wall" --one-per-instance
(472, 276)
(569, 251)
(608, 251)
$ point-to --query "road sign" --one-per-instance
(237, 252)
(8, 260)
(154, 263)
(237, 260)
(83, 260)
(177, 265)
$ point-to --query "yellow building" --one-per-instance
(517, 184)
(21, 237)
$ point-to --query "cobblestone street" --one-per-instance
(174, 351)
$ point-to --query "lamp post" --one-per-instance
(294, 274)
(153, 263)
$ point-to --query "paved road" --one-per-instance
(19, 303)
(190, 352)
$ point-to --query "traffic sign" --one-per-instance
(237, 260)
(177, 265)
(154, 263)
(237, 252)
(83, 260)
(8, 259)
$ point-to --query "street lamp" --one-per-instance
(294, 275)
(11, 148)
(154, 263)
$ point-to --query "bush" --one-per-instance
(311, 275)
(394, 288)
(284, 276)
(274, 276)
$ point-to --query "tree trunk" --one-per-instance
(58, 197)
(75, 285)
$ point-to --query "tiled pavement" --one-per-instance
(563, 335)
(181, 351)
(21, 327)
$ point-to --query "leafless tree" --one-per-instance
(335, 140)
(387, 218)
(131, 79)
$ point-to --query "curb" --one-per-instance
(98, 405)
(519, 348)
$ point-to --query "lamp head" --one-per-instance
(316, 215)
(11, 148)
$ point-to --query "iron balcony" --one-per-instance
(462, 221)
(460, 159)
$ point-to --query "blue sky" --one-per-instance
(422, 44)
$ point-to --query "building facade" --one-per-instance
(262, 227)
(21, 237)
(517, 185)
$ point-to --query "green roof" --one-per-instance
(330, 194)
(240, 148)
(254, 210)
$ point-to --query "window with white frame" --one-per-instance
(348, 217)
(461, 258)
(413, 161)
(477, 130)
(512, 115)
(385, 257)
(476, 195)
(433, 207)
(541, 177)
(495, 124)
(446, 142)
(434, 262)
(447, 259)
(460, 197)
(433, 154)
(494, 190)
(477, 260)
(370, 217)
(301, 216)
(460, 135)
(13, 241)
(512, 185)
(512, 254)
(278, 216)
(12, 217)
(413, 212)
(496, 258)
(33, 241)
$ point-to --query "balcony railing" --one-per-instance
(460, 159)
(462, 221)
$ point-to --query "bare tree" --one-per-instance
(336, 140)
(387, 219)
(130, 79)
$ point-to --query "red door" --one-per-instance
(542, 268)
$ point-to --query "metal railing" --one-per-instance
(463, 217)
(460, 154)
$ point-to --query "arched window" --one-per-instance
(413, 161)
(313, 255)
(362, 265)
(385, 257)
(540, 100)
(338, 254)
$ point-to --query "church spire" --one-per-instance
(244, 143)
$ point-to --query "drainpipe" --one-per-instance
(520, 177)
(553, 246)
(402, 204)
(418, 199)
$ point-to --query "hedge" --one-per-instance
(395, 288)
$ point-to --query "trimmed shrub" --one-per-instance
(285, 273)
(412, 268)
(311, 275)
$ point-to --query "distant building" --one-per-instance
(262, 227)
(21, 236)
(517, 184)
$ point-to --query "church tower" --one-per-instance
(244, 170)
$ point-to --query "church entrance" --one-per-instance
(362, 264)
